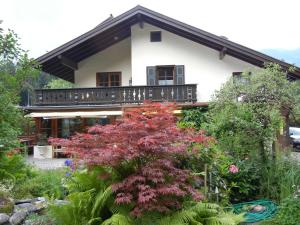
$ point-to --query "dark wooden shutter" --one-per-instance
(179, 74)
(151, 75)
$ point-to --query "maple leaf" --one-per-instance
(145, 149)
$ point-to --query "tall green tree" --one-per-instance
(16, 68)
(248, 113)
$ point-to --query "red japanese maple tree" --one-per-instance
(146, 148)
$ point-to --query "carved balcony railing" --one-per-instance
(115, 95)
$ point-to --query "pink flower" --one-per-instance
(233, 169)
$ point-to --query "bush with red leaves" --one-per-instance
(144, 148)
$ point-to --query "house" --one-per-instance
(136, 56)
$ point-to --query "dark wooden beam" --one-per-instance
(99, 47)
(68, 62)
(222, 53)
(140, 21)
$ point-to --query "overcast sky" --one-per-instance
(259, 24)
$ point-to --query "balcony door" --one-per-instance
(165, 75)
(108, 79)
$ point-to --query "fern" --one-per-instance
(119, 219)
(202, 214)
(101, 200)
(77, 211)
(212, 214)
(183, 217)
(83, 180)
(95, 221)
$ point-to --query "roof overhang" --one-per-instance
(63, 60)
(82, 114)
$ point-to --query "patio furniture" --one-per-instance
(42, 151)
(56, 149)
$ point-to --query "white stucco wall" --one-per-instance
(202, 64)
(116, 58)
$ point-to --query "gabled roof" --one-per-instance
(63, 60)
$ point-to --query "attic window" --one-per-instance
(239, 78)
(155, 36)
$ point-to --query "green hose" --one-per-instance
(252, 217)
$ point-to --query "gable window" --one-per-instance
(108, 79)
(165, 75)
(155, 36)
(239, 78)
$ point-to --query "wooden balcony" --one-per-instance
(115, 95)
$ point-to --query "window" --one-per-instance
(239, 78)
(165, 75)
(108, 79)
(155, 36)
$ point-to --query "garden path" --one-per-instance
(46, 164)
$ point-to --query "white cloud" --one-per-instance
(259, 24)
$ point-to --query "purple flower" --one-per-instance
(68, 162)
(72, 166)
(68, 174)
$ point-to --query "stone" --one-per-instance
(60, 202)
(17, 218)
(4, 218)
(25, 207)
(40, 205)
(17, 202)
(40, 199)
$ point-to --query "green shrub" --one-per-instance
(279, 178)
(90, 199)
(194, 117)
(240, 186)
(16, 166)
(289, 211)
(45, 183)
(39, 219)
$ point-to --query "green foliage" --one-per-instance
(10, 118)
(280, 178)
(295, 113)
(46, 183)
(251, 109)
(91, 202)
(201, 214)
(193, 117)
(118, 219)
(90, 199)
(245, 117)
(6, 203)
(16, 68)
(236, 187)
(84, 180)
(77, 212)
(289, 212)
(16, 165)
(232, 126)
(39, 219)
(59, 83)
(13, 171)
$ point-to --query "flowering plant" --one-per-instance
(144, 149)
(233, 169)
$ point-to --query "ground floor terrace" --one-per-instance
(65, 121)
